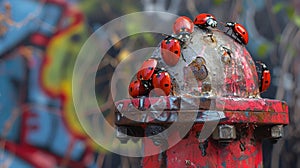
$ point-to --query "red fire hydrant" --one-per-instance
(214, 116)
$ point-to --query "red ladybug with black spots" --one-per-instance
(170, 49)
(171, 46)
(182, 29)
(161, 82)
(205, 20)
(264, 76)
(240, 32)
(137, 88)
(147, 69)
(183, 24)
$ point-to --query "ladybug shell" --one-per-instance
(147, 69)
(162, 81)
(264, 76)
(170, 51)
(202, 18)
(266, 80)
(136, 88)
(183, 24)
(241, 33)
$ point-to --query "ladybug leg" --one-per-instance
(227, 30)
(183, 58)
(191, 39)
(238, 39)
(211, 37)
(235, 37)
(208, 31)
(232, 33)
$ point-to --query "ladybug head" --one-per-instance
(184, 36)
(229, 24)
(212, 22)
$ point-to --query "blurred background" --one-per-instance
(39, 43)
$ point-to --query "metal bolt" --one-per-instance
(121, 134)
(277, 131)
(158, 137)
(224, 132)
(135, 139)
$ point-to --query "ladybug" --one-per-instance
(182, 28)
(183, 24)
(204, 20)
(162, 81)
(137, 88)
(264, 76)
(147, 69)
(239, 30)
(170, 49)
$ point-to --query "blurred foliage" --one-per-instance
(288, 9)
(218, 2)
(262, 50)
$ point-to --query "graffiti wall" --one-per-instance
(39, 44)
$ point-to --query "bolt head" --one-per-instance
(121, 134)
(224, 132)
(277, 131)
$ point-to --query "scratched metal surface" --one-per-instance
(245, 153)
(229, 75)
(228, 93)
(165, 110)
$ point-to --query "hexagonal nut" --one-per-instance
(121, 134)
(224, 132)
(277, 131)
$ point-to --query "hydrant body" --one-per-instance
(219, 115)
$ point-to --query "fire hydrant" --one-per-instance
(214, 115)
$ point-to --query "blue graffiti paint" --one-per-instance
(9, 160)
(29, 16)
(52, 132)
(12, 79)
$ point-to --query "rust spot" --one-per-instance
(226, 54)
(200, 60)
(210, 38)
(284, 106)
(226, 58)
(198, 68)
(206, 87)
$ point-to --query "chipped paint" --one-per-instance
(225, 90)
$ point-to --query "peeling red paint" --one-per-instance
(217, 155)
(236, 110)
(244, 113)
(228, 93)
